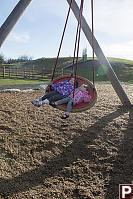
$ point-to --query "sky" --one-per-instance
(38, 32)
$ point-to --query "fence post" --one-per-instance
(3, 71)
(24, 72)
(33, 70)
(9, 71)
(62, 72)
(42, 73)
(16, 71)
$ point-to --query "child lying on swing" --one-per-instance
(58, 91)
(80, 95)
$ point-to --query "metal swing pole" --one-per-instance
(102, 59)
(12, 19)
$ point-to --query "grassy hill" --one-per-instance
(48, 63)
(123, 68)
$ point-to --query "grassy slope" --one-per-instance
(123, 68)
(19, 81)
(48, 63)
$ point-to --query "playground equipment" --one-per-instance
(23, 4)
(84, 105)
(91, 86)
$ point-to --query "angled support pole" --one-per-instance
(12, 19)
(102, 59)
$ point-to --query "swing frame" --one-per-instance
(18, 10)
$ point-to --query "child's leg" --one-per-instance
(69, 108)
(69, 105)
(44, 99)
(47, 96)
(62, 101)
(56, 97)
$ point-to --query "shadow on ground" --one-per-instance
(122, 166)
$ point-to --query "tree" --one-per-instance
(24, 58)
(1, 59)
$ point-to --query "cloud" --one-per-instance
(113, 25)
(19, 37)
(114, 17)
(123, 50)
(52, 7)
(44, 10)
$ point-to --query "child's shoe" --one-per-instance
(36, 103)
(52, 104)
(64, 116)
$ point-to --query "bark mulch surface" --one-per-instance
(86, 156)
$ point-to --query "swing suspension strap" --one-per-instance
(78, 37)
(61, 40)
(75, 47)
(92, 17)
(77, 41)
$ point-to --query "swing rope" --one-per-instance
(61, 41)
(92, 91)
(93, 63)
(77, 33)
(77, 41)
(75, 48)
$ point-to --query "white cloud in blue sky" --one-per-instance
(39, 30)
(17, 37)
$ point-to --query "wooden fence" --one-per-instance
(7, 71)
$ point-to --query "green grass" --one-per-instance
(122, 67)
(21, 81)
(124, 61)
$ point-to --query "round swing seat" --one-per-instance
(83, 106)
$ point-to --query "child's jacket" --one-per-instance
(80, 96)
(64, 88)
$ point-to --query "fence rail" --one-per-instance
(25, 73)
